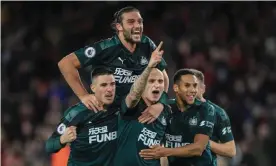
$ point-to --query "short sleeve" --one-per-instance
(206, 124)
(89, 55)
(71, 117)
(224, 127)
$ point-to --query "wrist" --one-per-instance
(83, 95)
(168, 152)
(61, 140)
(211, 143)
(160, 106)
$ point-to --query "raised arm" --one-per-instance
(138, 86)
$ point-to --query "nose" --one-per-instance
(137, 24)
(193, 89)
(156, 85)
(109, 88)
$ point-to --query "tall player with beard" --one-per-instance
(127, 54)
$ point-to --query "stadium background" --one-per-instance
(234, 43)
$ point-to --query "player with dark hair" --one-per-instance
(190, 128)
(92, 135)
(222, 141)
(127, 54)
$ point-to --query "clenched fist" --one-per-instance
(69, 135)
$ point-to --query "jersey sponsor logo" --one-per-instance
(101, 134)
(193, 121)
(147, 137)
(174, 141)
(226, 130)
(90, 52)
(122, 60)
(207, 124)
(124, 76)
(61, 128)
(170, 144)
(174, 138)
(144, 61)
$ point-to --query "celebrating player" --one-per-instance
(132, 135)
(127, 54)
(222, 129)
(92, 135)
(189, 130)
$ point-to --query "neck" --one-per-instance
(201, 98)
(103, 106)
(148, 102)
(130, 46)
(180, 104)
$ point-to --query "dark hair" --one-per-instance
(118, 15)
(199, 75)
(98, 71)
(181, 72)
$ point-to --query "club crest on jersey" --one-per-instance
(90, 52)
(61, 128)
(163, 121)
(193, 121)
(144, 61)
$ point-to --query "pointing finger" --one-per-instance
(159, 46)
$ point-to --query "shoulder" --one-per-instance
(106, 43)
(206, 108)
(75, 111)
(147, 40)
(220, 112)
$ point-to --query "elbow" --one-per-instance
(48, 149)
(232, 152)
(61, 63)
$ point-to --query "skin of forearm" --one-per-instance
(138, 87)
(71, 75)
(223, 149)
(186, 151)
(166, 81)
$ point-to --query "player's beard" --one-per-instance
(128, 36)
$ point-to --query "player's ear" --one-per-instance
(119, 27)
(92, 87)
(175, 88)
(203, 88)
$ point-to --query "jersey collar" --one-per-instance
(196, 103)
(118, 41)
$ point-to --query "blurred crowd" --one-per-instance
(233, 43)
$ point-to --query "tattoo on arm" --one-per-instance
(137, 88)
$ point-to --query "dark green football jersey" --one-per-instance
(134, 136)
(127, 66)
(96, 136)
(222, 128)
(198, 118)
